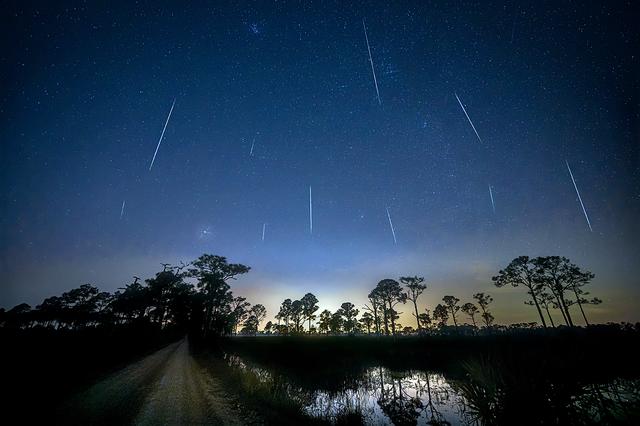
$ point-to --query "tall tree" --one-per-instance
(285, 313)
(471, 310)
(550, 273)
(560, 275)
(484, 300)
(239, 310)
(415, 288)
(546, 300)
(391, 294)
(297, 315)
(324, 322)
(309, 307)
(441, 314)
(349, 312)
(133, 302)
(375, 307)
(451, 303)
(256, 314)
(367, 321)
(425, 319)
(522, 271)
(336, 322)
(212, 273)
(259, 311)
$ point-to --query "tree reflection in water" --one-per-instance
(487, 393)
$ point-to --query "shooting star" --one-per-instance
(122, 209)
(310, 213)
(465, 113)
(491, 195)
(393, 231)
(579, 197)
(373, 71)
(252, 145)
(264, 228)
(162, 135)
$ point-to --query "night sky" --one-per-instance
(87, 88)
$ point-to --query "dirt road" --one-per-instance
(167, 387)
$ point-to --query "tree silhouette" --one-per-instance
(165, 301)
(285, 313)
(324, 322)
(160, 291)
(471, 310)
(132, 303)
(376, 308)
(441, 314)
(336, 322)
(18, 316)
(240, 311)
(297, 315)
(559, 275)
(551, 272)
(451, 303)
(212, 273)
(415, 289)
(484, 300)
(425, 319)
(349, 312)
(309, 307)
(367, 321)
(545, 300)
(390, 292)
(255, 315)
(523, 271)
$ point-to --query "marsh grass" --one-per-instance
(559, 377)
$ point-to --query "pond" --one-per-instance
(483, 395)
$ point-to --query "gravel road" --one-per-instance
(167, 387)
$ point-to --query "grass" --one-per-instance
(520, 377)
(264, 398)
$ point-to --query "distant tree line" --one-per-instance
(197, 297)
(194, 297)
(552, 282)
(380, 315)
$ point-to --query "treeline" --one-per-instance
(193, 297)
(197, 297)
(380, 315)
(552, 283)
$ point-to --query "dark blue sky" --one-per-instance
(86, 89)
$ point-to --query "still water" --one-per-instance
(483, 395)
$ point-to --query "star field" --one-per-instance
(272, 98)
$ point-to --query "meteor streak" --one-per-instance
(393, 231)
(122, 209)
(310, 213)
(491, 195)
(465, 113)
(162, 135)
(252, 145)
(579, 197)
(264, 228)
(373, 71)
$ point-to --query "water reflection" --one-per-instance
(389, 397)
(482, 395)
